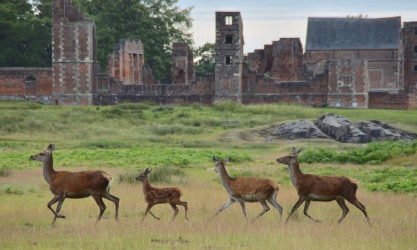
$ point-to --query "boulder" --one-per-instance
(331, 126)
(341, 129)
(303, 129)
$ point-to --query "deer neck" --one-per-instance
(225, 178)
(146, 186)
(295, 172)
(48, 169)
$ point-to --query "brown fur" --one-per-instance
(64, 184)
(247, 189)
(155, 196)
(321, 188)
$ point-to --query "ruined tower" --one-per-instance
(409, 50)
(73, 55)
(182, 69)
(229, 57)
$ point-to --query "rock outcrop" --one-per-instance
(331, 126)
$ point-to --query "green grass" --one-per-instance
(177, 143)
(136, 136)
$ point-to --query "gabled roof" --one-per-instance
(353, 33)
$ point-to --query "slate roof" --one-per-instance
(353, 33)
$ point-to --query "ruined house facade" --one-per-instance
(347, 62)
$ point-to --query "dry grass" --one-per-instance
(25, 220)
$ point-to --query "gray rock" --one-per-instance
(341, 129)
(331, 126)
(303, 129)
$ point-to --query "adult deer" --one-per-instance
(75, 185)
(155, 196)
(321, 188)
(250, 189)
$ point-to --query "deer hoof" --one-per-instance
(61, 216)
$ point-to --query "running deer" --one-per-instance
(250, 189)
(155, 196)
(321, 188)
(75, 185)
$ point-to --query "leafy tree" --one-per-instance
(25, 33)
(157, 23)
(204, 59)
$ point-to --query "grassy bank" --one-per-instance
(178, 143)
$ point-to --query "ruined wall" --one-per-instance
(182, 67)
(258, 89)
(409, 45)
(280, 72)
(126, 62)
(282, 61)
(353, 73)
(109, 92)
(73, 54)
(228, 57)
(24, 83)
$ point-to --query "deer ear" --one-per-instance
(299, 151)
(51, 147)
(294, 150)
(214, 158)
(226, 160)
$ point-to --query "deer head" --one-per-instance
(143, 175)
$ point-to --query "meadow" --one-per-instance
(177, 142)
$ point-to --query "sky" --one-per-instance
(265, 21)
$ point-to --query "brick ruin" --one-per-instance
(349, 63)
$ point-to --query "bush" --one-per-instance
(373, 153)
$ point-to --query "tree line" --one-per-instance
(26, 32)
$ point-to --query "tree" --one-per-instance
(157, 23)
(205, 59)
(25, 33)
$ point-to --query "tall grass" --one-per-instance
(26, 221)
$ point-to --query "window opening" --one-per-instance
(228, 60)
(229, 20)
(228, 39)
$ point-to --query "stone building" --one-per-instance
(347, 62)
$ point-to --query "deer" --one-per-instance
(75, 185)
(312, 187)
(249, 189)
(155, 196)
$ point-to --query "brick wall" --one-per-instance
(28, 82)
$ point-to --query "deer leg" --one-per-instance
(306, 206)
(183, 203)
(296, 205)
(242, 204)
(175, 210)
(115, 200)
(342, 205)
(272, 200)
(58, 208)
(226, 205)
(360, 206)
(265, 206)
(148, 208)
(100, 204)
(54, 200)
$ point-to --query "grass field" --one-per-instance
(123, 140)
(26, 220)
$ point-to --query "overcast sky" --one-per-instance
(265, 21)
